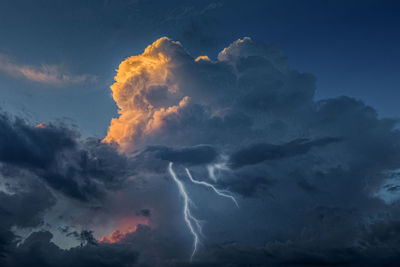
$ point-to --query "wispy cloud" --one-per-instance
(54, 75)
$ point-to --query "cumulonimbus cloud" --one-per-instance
(166, 85)
(245, 122)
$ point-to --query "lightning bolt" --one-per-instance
(189, 219)
(211, 168)
(218, 192)
(192, 223)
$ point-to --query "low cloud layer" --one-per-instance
(312, 178)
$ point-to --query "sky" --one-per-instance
(199, 133)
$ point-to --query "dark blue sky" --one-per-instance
(350, 46)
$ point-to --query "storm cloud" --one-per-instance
(275, 143)
(310, 176)
(201, 154)
(55, 154)
(257, 153)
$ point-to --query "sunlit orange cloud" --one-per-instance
(204, 58)
(41, 125)
(123, 227)
(136, 77)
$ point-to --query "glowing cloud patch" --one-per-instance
(140, 78)
(123, 227)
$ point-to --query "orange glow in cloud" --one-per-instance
(41, 125)
(123, 227)
(136, 79)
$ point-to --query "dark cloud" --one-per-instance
(6, 240)
(249, 182)
(87, 237)
(200, 154)
(55, 154)
(29, 146)
(22, 209)
(257, 153)
(25, 209)
(144, 212)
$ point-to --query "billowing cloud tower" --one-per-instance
(166, 90)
